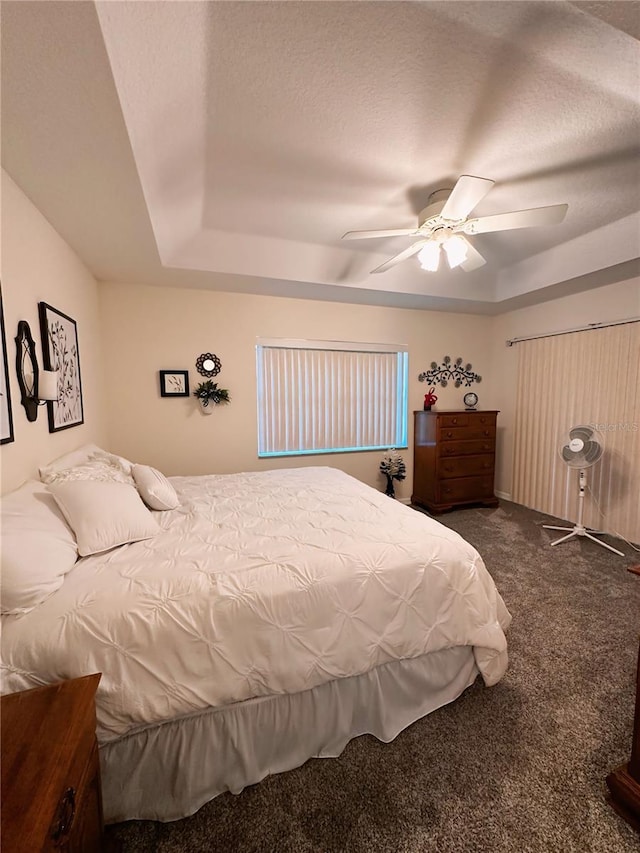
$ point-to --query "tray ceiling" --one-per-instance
(229, 145)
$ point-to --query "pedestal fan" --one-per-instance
(582, 451)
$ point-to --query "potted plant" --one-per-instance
(209, 395)
(393, 468)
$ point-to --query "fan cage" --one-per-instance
(591, 451)
(582, 431)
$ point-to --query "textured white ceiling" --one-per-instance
(230, 144)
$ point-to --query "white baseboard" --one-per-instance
(504, 495)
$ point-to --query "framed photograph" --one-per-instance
(174, 383)
(6, 415)
(60, 352)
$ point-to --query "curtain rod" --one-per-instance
(588, 328)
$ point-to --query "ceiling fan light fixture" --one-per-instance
(429, 256)
(446, 218)
(456, 250)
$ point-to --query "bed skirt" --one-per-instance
(169, 771)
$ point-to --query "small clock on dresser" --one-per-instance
(470, 401)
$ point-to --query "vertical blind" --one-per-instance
(322, 397)
(592, 378)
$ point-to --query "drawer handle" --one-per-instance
(448, 468)
(449, 434)
(67, 813)
(486, 432)
(454, 420)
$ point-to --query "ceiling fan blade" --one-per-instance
(365, 235)
(551, 215)
(466, 194)
(474, 259)
(402, 256)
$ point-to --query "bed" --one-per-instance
(271, 618)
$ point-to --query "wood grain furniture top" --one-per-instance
(51, 797)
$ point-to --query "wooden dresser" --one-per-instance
(51, 796)
(454, 459)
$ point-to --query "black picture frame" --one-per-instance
(6, 412)
(174, 383)
(60, 351)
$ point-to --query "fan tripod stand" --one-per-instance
(579, 529)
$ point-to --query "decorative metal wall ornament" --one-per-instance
(208, 364)
(450, 371)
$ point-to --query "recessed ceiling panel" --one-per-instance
(257, 133)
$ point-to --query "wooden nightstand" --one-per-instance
(51, 796)
(624, 782)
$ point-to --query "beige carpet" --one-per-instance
(518, 767)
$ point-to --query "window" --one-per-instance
(330, 396)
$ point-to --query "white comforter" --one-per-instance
(259, 583)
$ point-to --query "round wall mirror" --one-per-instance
(208, 364)
(27, 370)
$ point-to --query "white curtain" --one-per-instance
(316, 399)
(592, 378)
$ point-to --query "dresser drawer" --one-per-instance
(466, 466)
(465, 489)
(462, 419)
(465, 448)
(457, 420)
(473, 430)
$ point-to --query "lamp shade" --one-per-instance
(429, 256)
(456, 250)
(48, 385)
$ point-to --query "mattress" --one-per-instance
(259, 584)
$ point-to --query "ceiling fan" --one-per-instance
(444, 224)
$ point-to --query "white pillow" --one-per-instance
(155, 490)
(103, 515)
(100, 466)
(38, 548)
(78, 457)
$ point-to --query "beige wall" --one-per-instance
(141, 330)
(37, 265)
(613, 302)
(148, 329)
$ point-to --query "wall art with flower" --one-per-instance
(60, 352)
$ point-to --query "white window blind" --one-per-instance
(329, 397)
